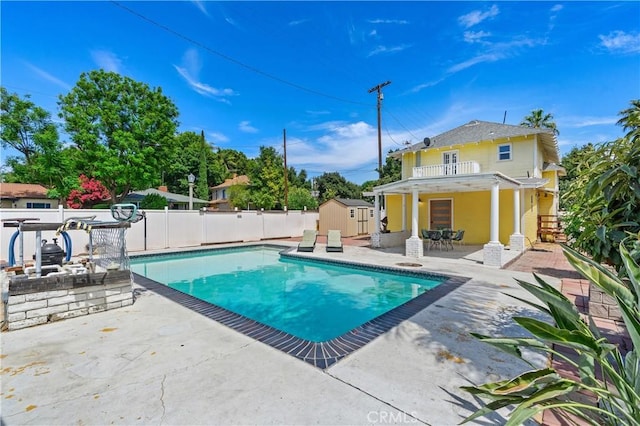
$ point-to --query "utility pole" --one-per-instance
(378, 88)
(286, 178)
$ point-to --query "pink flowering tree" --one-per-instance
(91, 192)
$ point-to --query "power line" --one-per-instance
(233, 60)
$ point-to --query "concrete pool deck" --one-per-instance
(156, 362)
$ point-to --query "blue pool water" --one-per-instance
(310, 300)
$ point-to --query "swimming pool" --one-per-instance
(314, 306)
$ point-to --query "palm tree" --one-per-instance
(631, 119)
(539, 120)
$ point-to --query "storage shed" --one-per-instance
(351, 217)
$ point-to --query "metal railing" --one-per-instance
(461, 168)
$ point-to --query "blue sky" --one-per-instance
(244, 71)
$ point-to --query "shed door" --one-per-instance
(440, 214)
(363, 220)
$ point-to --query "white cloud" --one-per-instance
(475, 17)
(557, 8)
(496, 52)
(190, 71)
(384, 49)
(485, 57)
(298, 22)
(475, 36)
(388, 21)
(246, 127)
(45, 75)
(619, 41)
(423, 86)
(201, 6)
(342, 146)
(217, 137)
(587, 121)
(106, 60)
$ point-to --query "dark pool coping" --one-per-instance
(318, 354)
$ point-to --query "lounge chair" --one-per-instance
(308, 242)
(334, 240)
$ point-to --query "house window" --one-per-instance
(504, 152)
(38, 205)
(224, 194)
(370, 213)
(352, 213)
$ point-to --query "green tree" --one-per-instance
(331, 185)
(603, 202)
(202, 186)
(233, 162)
(267, 179)
(153, 202)
(299, 198)
(24, 125)
(631, 120)
(538, 119)
(239, 196)
(573, 162)
(124, 129)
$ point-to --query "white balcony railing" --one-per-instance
(461, 168)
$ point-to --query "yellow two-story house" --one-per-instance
(490, 179)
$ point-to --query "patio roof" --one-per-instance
(455, 183)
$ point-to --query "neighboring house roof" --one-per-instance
(476, 131)
(351, 202)
(171, 197)
(14, 191)
(235, 180)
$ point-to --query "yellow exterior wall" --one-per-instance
(484, 153)
(471, 212)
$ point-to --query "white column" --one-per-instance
(516, 240)
(376, 234)
(414, 213)
(494, 227)
(413, 245)
(516, 212)
(492, 251)
(404, 212)
(376, 211)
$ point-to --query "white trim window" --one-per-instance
(505, 152)
(450, 162)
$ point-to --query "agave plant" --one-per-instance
(612, 378)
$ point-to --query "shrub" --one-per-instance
(613, 378)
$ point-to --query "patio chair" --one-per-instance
(308, 242)
(447, 235)
(334, 240)
(458, 237)
(435, 239)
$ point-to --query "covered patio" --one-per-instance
(493, 251)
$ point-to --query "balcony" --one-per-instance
(452, 169)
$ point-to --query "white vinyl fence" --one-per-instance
(164, 228)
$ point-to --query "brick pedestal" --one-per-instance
(413, 247)
(492, 254)
(516, 242)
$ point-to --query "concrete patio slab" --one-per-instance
(156, 362)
